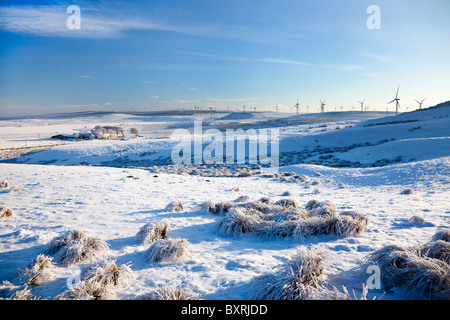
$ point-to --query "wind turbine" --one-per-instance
(420, 103)
(322, 107)
(277, 107)
(362, 104)
(297, 106)
(397, 103)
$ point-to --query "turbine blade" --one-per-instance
(396, 96)
(392, 101)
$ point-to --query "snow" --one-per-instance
(239, 116)
(82, 186)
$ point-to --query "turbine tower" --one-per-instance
(297, 106)
(322, 107)
(362, 104)
(420, 103)
(397, 103)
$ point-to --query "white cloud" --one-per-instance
(371, 75)
(342, 67)
(51, 20)
(283, 61)
(85, 77)
(380, 58)
(261, 60)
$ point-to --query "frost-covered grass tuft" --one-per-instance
(81, 250)
(339, 224)
(263, 207)
(216, 208)
(285, 219)
(41, 270)
(275, 229)
(108, 273)
(4, 184)
(318, 208)
(153, 230)
(170, 293)
(335, 294)
(101, 282)
(58, 242)
(24, 294)
(407, 191)
(301, 278)
(243, 198)
(239, 221)
(173, 250)
(286, 203)
(6, 212)
(416, 220)
(266, 200)
(175, 206)
(443, 234)
(408, 267)
(298, 279)
(438, 249)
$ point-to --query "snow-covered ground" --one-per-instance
(111, 188)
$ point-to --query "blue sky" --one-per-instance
(140, 55)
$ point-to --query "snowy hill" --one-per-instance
(391, 173)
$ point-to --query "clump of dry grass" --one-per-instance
(58, 242)
(301, 278)
(443, 234)
(416, 220)
(4, 184)
(286, 203)
(15, 189)
(438, 249)
(243, 198)
(82, 249)
(172, 250)
(216, 208)
(101, 282)
(407, 191)
(41, 270)
(339, 224)
(413, 268)
(298, 279)
(239, 221)
(153, 230)
(262, 207)
(175, 206)
(170, 293)
(335, 294)
(6, 212)
(318, 208)
(266, 200)
(284, 219)
(277, 229)
(24, 294)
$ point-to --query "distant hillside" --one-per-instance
(239, 116)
